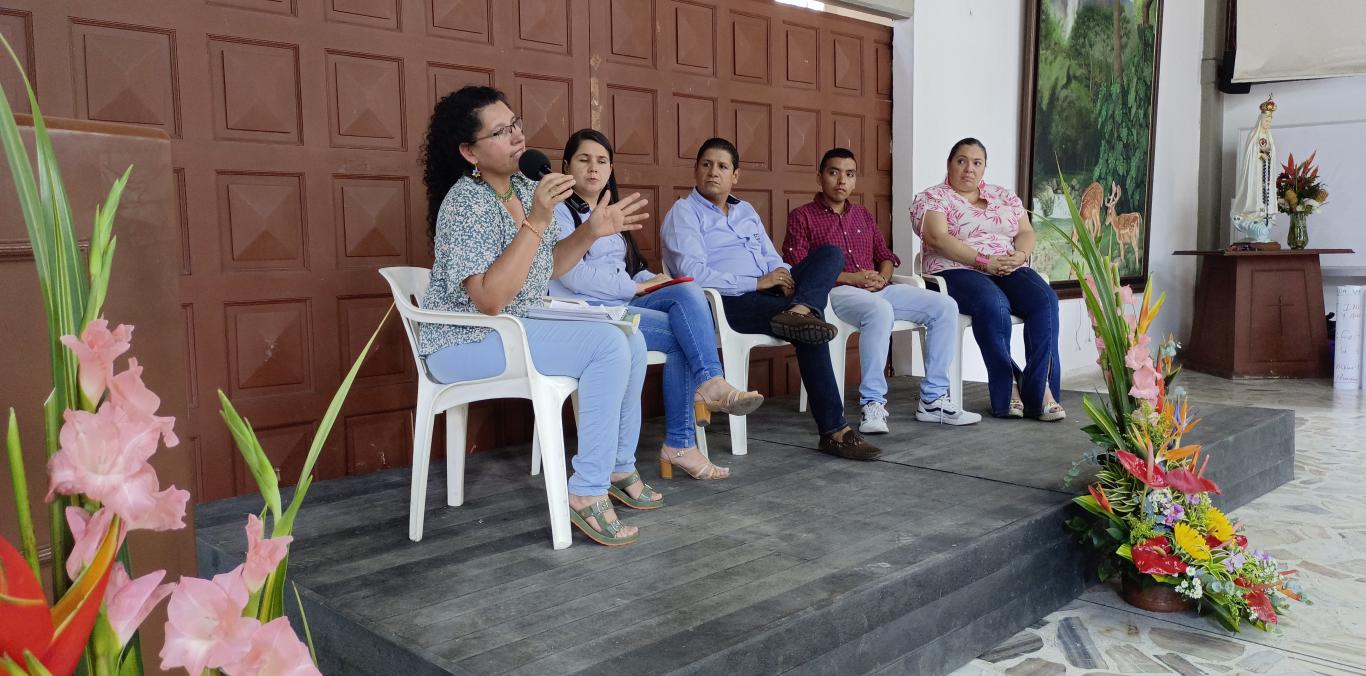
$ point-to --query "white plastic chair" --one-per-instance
(964, 323)
(839, 347)
(518, 380)
(735, 349)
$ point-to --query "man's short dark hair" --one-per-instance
(836, 153)
(720, 144)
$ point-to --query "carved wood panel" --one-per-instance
(296, 128)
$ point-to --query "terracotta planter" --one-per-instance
(1159, 598)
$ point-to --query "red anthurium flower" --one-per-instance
(1241, 540)
(1190, 483)
(1099, 494)
(1214, 542)
(1138, 468)
(1242, 582)
(1260, 604)
(1154, 557)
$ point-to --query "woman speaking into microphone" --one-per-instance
(496, 247)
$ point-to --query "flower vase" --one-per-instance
(1299, 231)
(1148, 594)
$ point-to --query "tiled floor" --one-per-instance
(1316, 524)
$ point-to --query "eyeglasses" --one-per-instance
(502, 132)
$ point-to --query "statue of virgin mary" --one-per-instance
(1254, 202)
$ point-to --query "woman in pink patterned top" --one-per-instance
(978, 238)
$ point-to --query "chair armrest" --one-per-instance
(718, 309)
(942, 283)
(572, 301)
(913, 280)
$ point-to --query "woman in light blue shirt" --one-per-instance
(674, 320)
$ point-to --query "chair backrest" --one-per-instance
(409, 286)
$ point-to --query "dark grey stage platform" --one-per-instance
(801, 563)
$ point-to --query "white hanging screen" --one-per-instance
(1305, 39)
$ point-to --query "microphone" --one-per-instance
(535, 165)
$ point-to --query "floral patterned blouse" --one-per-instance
(990, 230)
(472, 230)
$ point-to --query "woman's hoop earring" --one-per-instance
(475, 172)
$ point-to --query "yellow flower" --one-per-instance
(1219, 526)
(1291, 198)
(1190, 541)
(1322, 196)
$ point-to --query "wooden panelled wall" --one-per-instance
(296, 127)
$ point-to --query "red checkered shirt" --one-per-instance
(855, 232)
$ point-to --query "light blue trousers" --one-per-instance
(677, 321)
(873, 313)
(611, 371)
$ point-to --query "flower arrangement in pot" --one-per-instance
(1300, 192)
(1149, 514)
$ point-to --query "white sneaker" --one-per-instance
(943, 410)
(874, 419)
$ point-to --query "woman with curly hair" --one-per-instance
(496, 249)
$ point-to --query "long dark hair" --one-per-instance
(455, 120)
(635, 262)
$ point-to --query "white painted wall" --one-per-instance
(965, 81)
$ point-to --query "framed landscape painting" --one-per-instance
(1088, 109)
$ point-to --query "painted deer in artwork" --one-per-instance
(1126, 226)
(1090, 209)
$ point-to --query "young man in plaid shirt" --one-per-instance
(866, 298)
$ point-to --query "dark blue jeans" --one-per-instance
(751, 312)
(990, 301)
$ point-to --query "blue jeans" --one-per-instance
(611, 371)
(873, 313)
(751, 312)
(676, 320)
(990, 301)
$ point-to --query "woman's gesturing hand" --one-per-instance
(609, 219)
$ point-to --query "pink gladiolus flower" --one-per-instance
(263, 555)
(1145, 384)
(1126, 296)
(104, 456)
(87, 530)
(276, 650)
(130, 394)
(1140, 355)
(96, 350)
(129, 602)
(204, 624)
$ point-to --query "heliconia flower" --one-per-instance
(204, 624)
(1153, 477)
(104, 455)
(87, 530)
(1190, 483)
(1190, 541)
(96, 350)
(128, 602)
(263, 555)
(276, 650)
(1099, 494)
(129, 393)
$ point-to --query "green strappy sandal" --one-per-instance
(618, 492)
(608, 534)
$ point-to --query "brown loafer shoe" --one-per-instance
(852, 447)
(807, 329)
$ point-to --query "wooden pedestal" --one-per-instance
(1259, 314)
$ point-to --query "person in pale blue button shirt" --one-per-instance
(674, 320)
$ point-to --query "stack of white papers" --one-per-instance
(558, 309)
